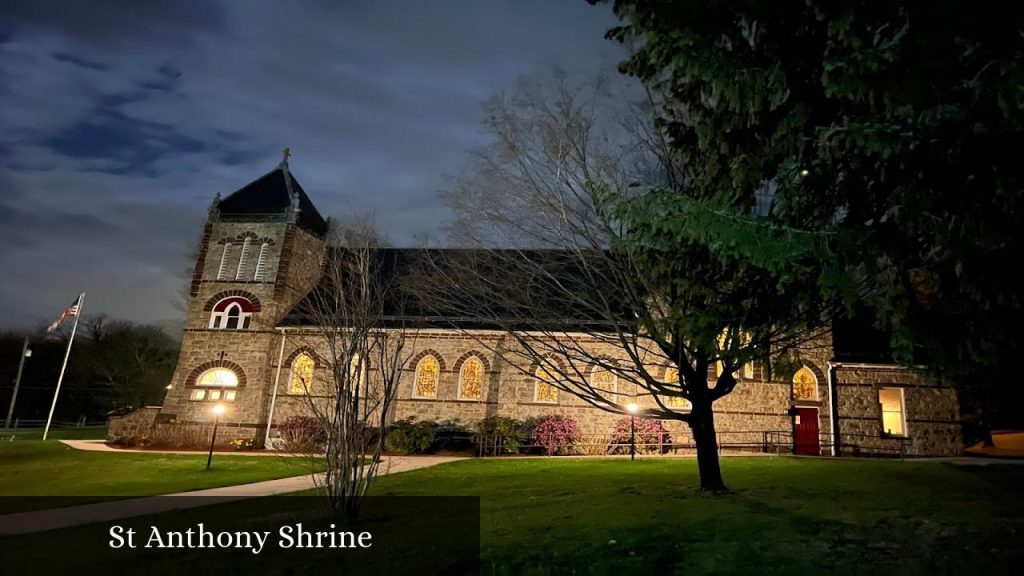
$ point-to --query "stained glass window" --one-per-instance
(302, 374)
(805, 385)
(672, 377)
(544, 391)
(471, 379)
(218, 377)
(427, 372)
(604, 382)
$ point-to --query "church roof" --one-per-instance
(416, 300)
(271, 194)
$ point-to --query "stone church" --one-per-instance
(262, 252)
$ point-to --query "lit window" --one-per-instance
(218, 377)
(261, 263)
(216, 384)
(225, 255)
(302, 374)
(357, 371)
(471, 379)
(427, 372)
(672, 377)
(604, 382)
(232, 313)
(805, 385)
(893, 422)
(243, 260)
(748, 370)
(544, 391)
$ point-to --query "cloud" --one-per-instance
(123, 119)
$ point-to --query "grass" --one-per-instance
(37, 468)
(83, 433)
(784, 516)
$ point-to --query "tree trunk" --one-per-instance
(703, 426)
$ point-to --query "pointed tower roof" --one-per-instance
(276, 193)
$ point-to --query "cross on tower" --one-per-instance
(287, 152)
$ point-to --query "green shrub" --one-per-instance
(409, 436)
(500, 435)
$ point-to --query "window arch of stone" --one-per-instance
(805, 384)
(604, 382)
(471, 379)
(232, 313)
(545, 374)
(301, 368)
(215, 381)
(427, 377)
(671, 376)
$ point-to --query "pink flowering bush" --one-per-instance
(650, 434)
(556, 433)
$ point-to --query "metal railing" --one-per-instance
(754, 441)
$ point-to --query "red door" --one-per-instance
(805, 432)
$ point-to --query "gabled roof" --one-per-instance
(271, 194)
(474, 307)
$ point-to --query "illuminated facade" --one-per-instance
(261, 254)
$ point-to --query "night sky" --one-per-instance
(121, 120)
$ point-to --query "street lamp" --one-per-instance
(218, 409)
(632, 407)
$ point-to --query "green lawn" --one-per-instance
(37, 468)
(83, 433)
(785, 516)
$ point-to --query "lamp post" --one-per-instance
(218, 409)
(632, 407)
(25, 353)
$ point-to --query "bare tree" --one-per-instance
(346, 322)
(606, 266)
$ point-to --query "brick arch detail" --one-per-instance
(818, 374)
(241, 238)
(457, 367)
(190, 381)
(552, 359)
(414, 362)
(318, 362)
(208, 307)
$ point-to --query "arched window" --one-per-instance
(216, 384)
(471, 379)
(261, 263)
(427, 372)
(543, 390)
(225, 255)
(604, 382)
(301, 381)
(243, 260)
(232, 313)
(357, 370)
(672, 377)
(805, 385)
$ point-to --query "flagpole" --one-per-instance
(53, 405)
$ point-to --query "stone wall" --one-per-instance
(133, 426)
(931, 413)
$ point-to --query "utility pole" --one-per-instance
(25, 353)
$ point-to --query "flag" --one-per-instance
(71, 312)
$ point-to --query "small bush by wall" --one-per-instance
(650, 435)
(500, 435)
(557, 433)
(409, 436)
(303, 434)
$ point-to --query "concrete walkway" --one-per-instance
(41, 520)
(102, 446)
